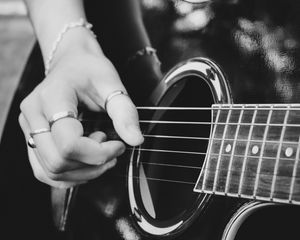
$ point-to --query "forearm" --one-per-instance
(134, 33)
(48, 18)
(119, 24)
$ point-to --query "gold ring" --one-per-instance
(31, 143)
(61, 115)
(113, 94)
(39, 131)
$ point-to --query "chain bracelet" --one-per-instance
(80, 23)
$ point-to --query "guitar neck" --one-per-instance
(253, 153)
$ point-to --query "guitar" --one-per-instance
(194, 152)
(209, 168)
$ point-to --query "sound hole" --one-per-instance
(172, 155)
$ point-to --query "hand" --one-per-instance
(80, 74)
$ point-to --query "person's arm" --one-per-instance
(48, 19)
(122, 33)
(79, 73)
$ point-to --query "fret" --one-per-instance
(220, 169)
(291, 151)
(206, 168)
(261, 153)
(254, 152)
(230, 170)
(270, 151)
(246, 152)
(296, 162)
(278, 154)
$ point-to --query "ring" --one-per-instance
(113, 94)
(61, 115)
(39, 131)
(31, 143)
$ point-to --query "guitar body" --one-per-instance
(149, 194)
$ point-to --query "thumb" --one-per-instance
(125, 119)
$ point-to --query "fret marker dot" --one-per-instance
(228, 148)
(289, 152)
(255, 149)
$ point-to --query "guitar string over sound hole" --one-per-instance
(169, 161)
(164, 170)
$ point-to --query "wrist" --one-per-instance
(75, 38)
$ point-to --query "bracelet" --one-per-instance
(80, 23)
(143, 52)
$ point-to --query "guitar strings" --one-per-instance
(272, 107)
(213, 139)
(160, 136)
(227, 107)
(217, 171)
(216, 139)
(205, 123)
(217, 154)
(157, 179)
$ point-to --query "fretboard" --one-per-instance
(253, 153)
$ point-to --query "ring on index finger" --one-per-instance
(62, 115)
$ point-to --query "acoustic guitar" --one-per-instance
(220, 157)
(194, 151)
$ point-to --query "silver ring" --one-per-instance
(31, 143)
(113, 94)
(61, 115)
(39, 131)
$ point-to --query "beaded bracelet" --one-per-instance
(80, 23)
(143, 52)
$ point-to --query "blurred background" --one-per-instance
(16, 41)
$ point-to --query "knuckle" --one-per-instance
(21, 120)
(26, 103)
(45, 94)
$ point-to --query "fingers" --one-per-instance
(66, 140)
(120, 108)
(67, 134)
(125, 119)
(64, 156)
(64, 179)
(37, 168)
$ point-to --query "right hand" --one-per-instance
(81, 74)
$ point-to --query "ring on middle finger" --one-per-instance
(62, 115)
